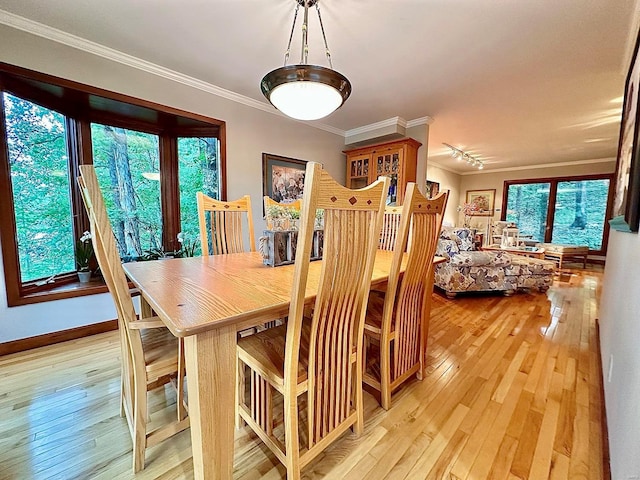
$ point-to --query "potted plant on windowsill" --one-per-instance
(84, 253)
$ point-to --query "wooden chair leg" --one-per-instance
(139, 428)
(240, 392)
(122, 399)
(385, 373)
(123, 376)
(292, 440)
(358, 427)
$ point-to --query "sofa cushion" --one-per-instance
(447, 234)
(474, 259)
(447, 248)
(461, 235)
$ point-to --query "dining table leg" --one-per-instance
(211, 376)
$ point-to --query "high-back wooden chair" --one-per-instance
(221, 223)
(320, 357)
(151, 355)
(397, 320)
(270, 202)
(390, 227)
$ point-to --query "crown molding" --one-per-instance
(389, 122)
(543, 165)
(79, 43)
(426, 120)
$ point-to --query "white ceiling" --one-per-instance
(513, 82)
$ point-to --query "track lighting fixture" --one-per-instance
(462, 155)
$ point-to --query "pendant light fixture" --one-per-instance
(303, 91)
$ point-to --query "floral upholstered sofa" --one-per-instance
(469, 270)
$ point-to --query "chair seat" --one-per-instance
(160, 352)
(264, 352)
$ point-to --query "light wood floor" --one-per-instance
(513, 392)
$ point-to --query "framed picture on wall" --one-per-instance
(482, 201)
(626, 198)
(432, 189)
(282, 177)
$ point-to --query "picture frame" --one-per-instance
(483, 200)
(432, 189)
(625, 211)
(283, 177)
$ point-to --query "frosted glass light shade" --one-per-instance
(305, 100)
(306, 92)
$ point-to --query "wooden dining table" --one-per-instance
(206, 301)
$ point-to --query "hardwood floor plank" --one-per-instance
(435, 448)
(559, 467)
(527, 444)
(579, 464)
(476, 439)
(501, 467)
(484, 465)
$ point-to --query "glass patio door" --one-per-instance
(528, 208)
(580, 213)
(563, 211)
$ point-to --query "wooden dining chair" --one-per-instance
(221, 223)
(269, 203)
(397, 319)
(318, 358)
(151, 355)
(390, 227)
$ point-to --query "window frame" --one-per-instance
(553, 190)
(82, 105)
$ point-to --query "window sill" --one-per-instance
(59, 292)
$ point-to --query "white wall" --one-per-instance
(250, 132)
(421, 134)
(448, 181)
(619, 336)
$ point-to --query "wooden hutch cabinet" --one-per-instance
(397, 159)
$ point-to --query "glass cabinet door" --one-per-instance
(388, 163)
(359, 171)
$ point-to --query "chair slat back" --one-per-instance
(390, 226)
(352, 222)
(221, 223)
(106, 252)
(405, 301)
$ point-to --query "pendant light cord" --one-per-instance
(324, 37)
(295, 17)
(305, 46)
